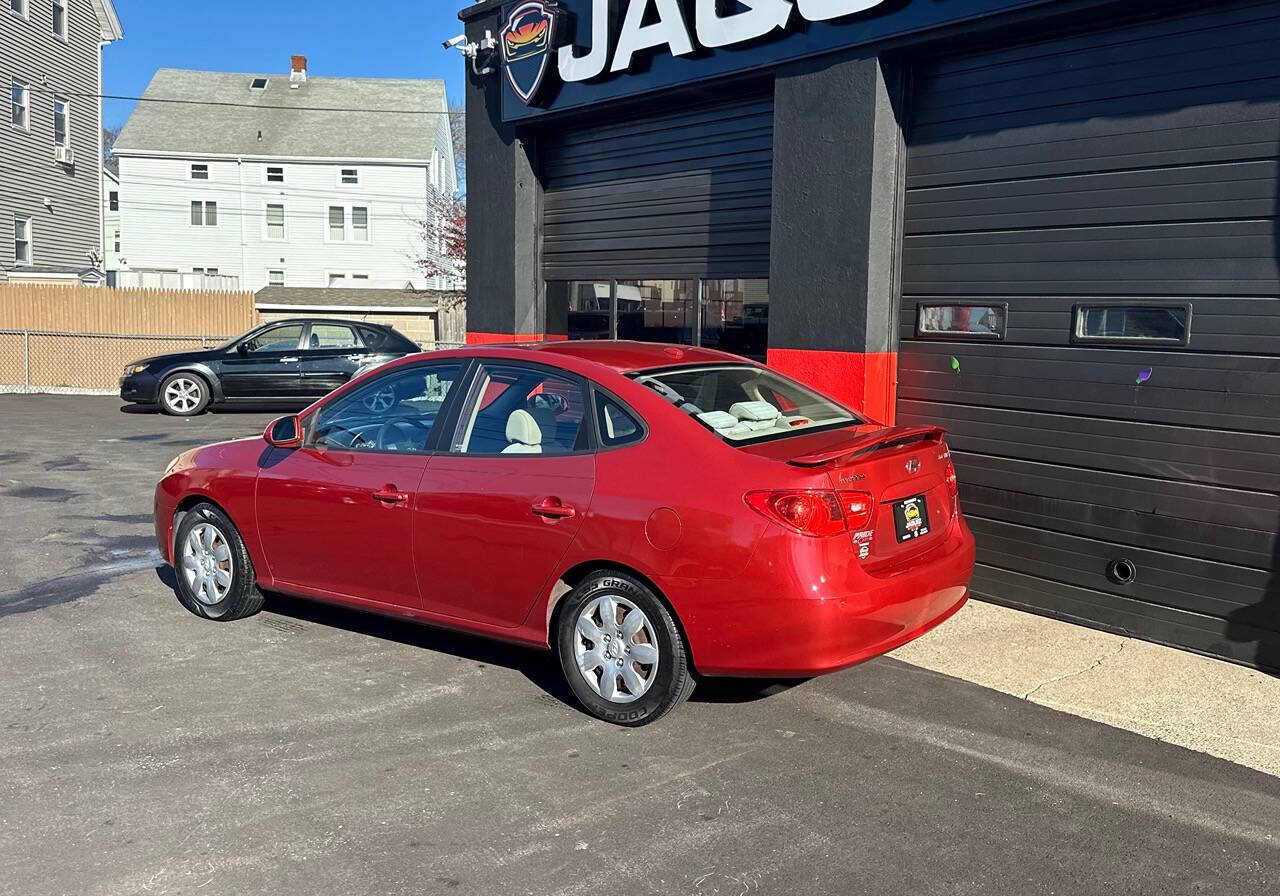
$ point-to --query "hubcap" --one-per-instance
(616, 648)
(381, 400)
(206, 564)
(182, 394)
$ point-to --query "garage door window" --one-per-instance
(1127, 324)
(962, 321)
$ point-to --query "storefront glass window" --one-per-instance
(658, 310)
(735, 317)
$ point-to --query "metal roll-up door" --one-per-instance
(680, 194)
(1131, 485)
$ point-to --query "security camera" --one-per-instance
(455, 42)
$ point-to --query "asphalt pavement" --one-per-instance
(312, 750)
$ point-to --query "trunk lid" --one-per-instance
(902, 468)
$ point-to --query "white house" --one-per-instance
(111, 235)
(285, 180)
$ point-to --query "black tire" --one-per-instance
(672, 675)
(184, 394)
(242, 597)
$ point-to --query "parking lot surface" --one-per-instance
(315, 750)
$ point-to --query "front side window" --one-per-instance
(60, 19)
(328, 336)
(21, 100)
(61, 122)
(276, 339)
(393, 412)
(275, 221)
(743, 404)
(204, 214)
(22, 240)
(518, 410)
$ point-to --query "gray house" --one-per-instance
(50, 154)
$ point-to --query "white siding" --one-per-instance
(156, 197)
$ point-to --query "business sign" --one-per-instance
(571, 53)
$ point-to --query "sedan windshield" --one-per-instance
(743, 404)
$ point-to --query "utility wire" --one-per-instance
(50, 91)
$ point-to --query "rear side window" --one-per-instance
(743, 404)
(523, 410)
(372, 338)
(617, 425)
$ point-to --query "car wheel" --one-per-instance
(214, 572)
(621, 651)
(184, 395)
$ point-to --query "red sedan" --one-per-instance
(646, 512)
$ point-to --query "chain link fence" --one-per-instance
(80, 363)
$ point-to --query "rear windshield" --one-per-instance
(743, 404)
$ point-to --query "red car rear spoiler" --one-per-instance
(883, 440)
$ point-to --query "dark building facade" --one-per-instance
(1049, 226)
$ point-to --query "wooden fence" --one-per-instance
(125, 312)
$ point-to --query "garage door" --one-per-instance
(1090, 305)
(683, 194)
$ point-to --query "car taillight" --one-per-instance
(953, 486)
(814, 513)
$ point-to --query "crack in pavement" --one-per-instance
(1095, 664)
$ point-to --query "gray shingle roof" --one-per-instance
(318, 297)
(287, 119)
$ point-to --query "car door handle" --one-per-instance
(289, 360)
(388, 494)
(553, 509)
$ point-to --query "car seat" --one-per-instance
(523, 434)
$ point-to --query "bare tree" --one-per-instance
(442, 238)
(109, 136)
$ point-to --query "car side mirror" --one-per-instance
(242, 348)
(284, 433)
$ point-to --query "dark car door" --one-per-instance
(331, 354)
(265, 364)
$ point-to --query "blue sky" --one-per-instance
(389, 39)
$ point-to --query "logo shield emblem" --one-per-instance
(528, 44)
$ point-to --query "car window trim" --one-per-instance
(597, 429)
(478, 365)
(431, 448)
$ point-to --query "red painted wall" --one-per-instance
(865, 381)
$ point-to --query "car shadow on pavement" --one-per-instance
(538, 666)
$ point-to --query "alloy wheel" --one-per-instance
(616, 647)
(182, 395)
(207, 564)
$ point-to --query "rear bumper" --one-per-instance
(807, 608)
(139, 388)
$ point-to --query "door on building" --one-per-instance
(1089, 306)
(657, 228)
(266, 365)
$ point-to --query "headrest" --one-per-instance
(522, 429)
(755, 411)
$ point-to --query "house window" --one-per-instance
(360, 224)
(18, 7)
(21, 240)
(275, 175)
(337, 223)
(207, 272)
(344, 279)
(113, 200)
(61, 122)
(275, 278)
(199, 172)
(204, 214)
(21, 98)
(275, 222)
(349, 176)
(359, 220)
(60, 19)
(116, 242)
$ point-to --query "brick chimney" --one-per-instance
(298, 71)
